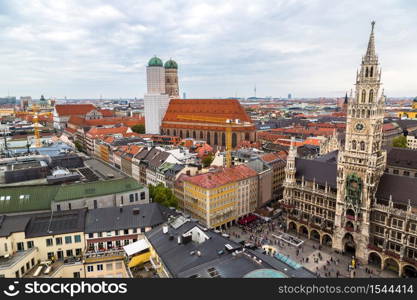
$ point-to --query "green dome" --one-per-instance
(155, 62)
(171, 64)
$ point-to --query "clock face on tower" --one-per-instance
(359, 127)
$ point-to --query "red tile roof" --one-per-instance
(218, 108)
(221, 176)
(107, 112)
(73, 109)
(96, 132)
(126, 121)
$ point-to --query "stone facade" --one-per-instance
(344, 199)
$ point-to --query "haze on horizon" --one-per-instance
(88, 49)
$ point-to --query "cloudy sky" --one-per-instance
(88, 48)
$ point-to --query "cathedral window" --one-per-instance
(234, 140)
(362, 146)
(366, 72)
(372, 72)
(363, 96)
(354, 145)
(371, 96)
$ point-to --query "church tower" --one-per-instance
(362, 161)
(171, 79)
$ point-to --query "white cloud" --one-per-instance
(310, 48)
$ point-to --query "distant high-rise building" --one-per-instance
(289, 96)
(25, 102)
(9, 101)
(156, 99)
(171, 79)
(184, 95)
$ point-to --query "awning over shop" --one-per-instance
(136, 247)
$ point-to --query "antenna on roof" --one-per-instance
(50, 222)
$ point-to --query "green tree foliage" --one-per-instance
(163, 195)
(400, 141)
(139, 128)
(207, 160)
(79, 146)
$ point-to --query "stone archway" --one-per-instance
(391, 265)
(375, 259)
(315, 235)
(409, 271)
(327, 240)
(303, 230)
(292, 227)
(349, 245)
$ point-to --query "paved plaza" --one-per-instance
(321, 260)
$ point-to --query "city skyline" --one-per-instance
(285, 47)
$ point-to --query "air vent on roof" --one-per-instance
(165, 229)
(136, 211)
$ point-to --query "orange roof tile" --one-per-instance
(218, 108)
(97, 131)
(73, 109)
(221, 176)
(126, 121)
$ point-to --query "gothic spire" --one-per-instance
(370, 52)
(346, 99)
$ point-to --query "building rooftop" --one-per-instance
(400, 189)
(402, 158)
(73, 109)
(131, 216)
(221, 176)
(206, 254)
(39, 198)
(219, 108)
(322, 172)
(54, 223)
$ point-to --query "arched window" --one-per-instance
(216, 139)
(362, 146)
(168, 132)
(194, 136)
(366, 72)
(247, 136)
(175, 132)
(372, 72)
(187, 134)
(234, 140)
(371, 96)
(223, 139)
(363, 96)
(201, 135)
(208, 137)
(180, 133)
(354, 145)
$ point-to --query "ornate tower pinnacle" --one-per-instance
(362, 161)
(370, 51)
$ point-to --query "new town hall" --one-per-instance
(360, 199)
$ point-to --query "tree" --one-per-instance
(162, 195)
(79, 146)
(400, 142)
(138, 128)
(207, 160)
